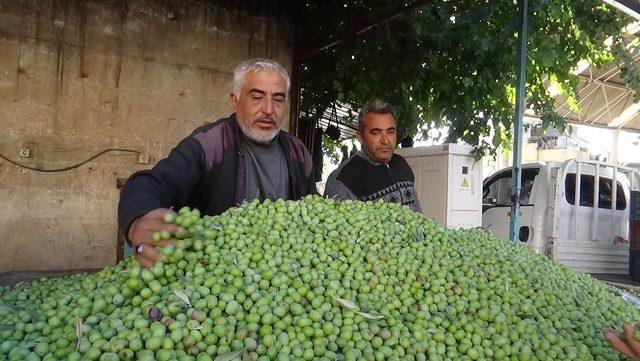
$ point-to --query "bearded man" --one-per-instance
(222, 164)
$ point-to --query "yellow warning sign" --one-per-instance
(465, 183)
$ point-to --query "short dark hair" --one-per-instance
(377, 106)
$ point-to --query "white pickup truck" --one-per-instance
(570, 212)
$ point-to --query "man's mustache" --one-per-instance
(266, 118)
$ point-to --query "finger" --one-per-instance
(618, 344)
(144, 262)
(628, 335)
(170, 227)
(170, 211)
(147, 229)
(158, 213)
(150, 253)
(156, 225)
(163, 243)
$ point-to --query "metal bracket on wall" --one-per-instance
(25, 152)
(120, 182)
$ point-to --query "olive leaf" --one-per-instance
(352, 307)
(231, 355)
(78, 331)
(216, 227)
(371, 315)
(346, 303)
(183, 296)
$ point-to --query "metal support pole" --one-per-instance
(577, 200)
(596, 204)
(514, 224)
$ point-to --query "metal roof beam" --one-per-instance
(614, 102)
(626, 116)
(629, 7)
(609, 84)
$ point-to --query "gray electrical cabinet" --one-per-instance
(448, 182)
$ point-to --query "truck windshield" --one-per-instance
(497, 192)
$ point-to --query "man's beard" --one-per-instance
(259, 138)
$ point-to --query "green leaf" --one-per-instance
(346, 303)
(371, 315)
(78, 331)
(183, 296)
(229, 356)
(436, 72)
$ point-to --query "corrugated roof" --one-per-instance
(603, 98)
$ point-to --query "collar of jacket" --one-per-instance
(370, 160)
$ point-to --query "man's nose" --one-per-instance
(384, 139)
(268, 106)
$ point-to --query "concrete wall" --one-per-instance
(78, 77)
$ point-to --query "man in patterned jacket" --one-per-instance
(375, 172)
(240, 158)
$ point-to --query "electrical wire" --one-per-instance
(73, 166)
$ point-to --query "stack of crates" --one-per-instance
(634, 236)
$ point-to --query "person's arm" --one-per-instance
(336, 189)
(629, 346)
(311, 185)
(148, 195)
(300, 167)
(416, 207)
(309, 173)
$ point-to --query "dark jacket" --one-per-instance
(364, 179)
(206, 171)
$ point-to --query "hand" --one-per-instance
(141, 234)
(629, 346)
